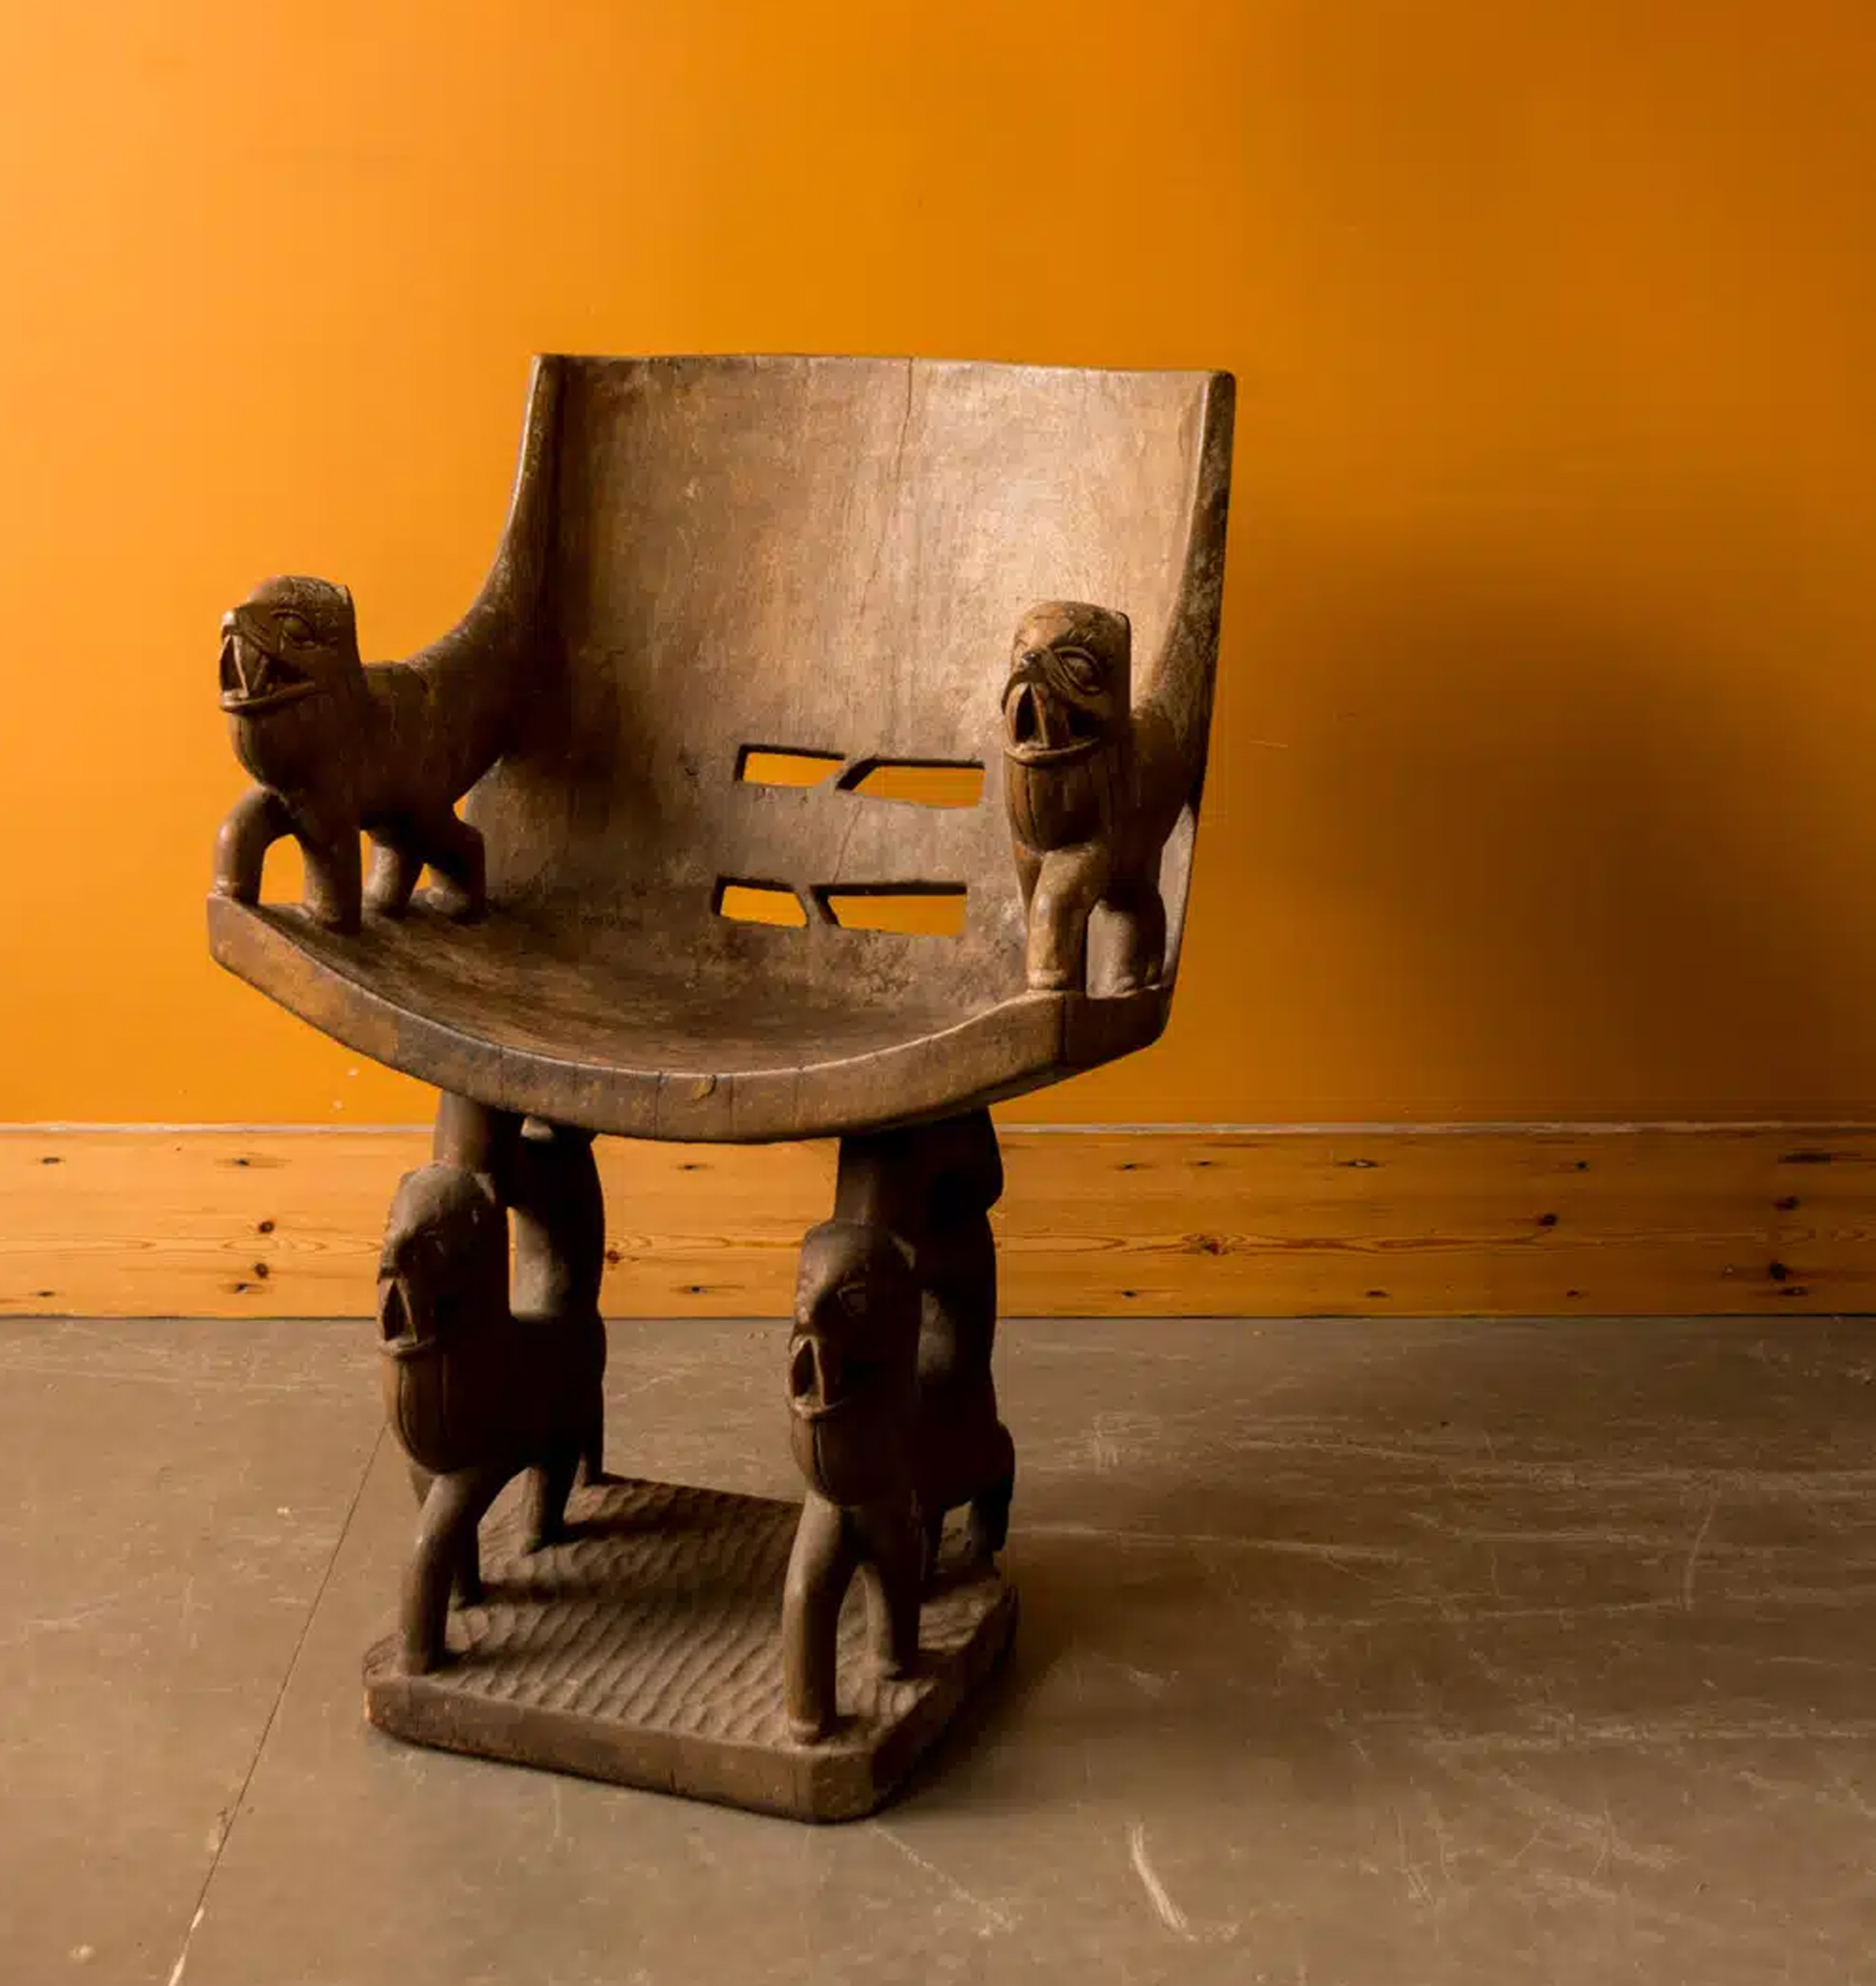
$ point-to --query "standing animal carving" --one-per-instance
(854, 1399)
(1093, 788)
(475, 1395)
(336, 746)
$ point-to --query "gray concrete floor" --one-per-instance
(1351, 1652)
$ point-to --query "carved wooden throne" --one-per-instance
(749, 616)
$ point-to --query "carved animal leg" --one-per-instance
(468, 1573)
(256, 820)
(1072, 882)
(965, 1453)
(1139, 927)
(989, 1529)
(451, 1511)
(560, 1255)
(1028, 867)
(333, 877)
(395, 868)
(931, 1518)
(550, 1485)
(821, 1568)
(454, 850)
(593, 1447)
(892, 1561)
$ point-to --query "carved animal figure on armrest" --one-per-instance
(337, 747)
(1093, 788)
(475, 1395)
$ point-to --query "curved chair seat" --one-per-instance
(865, 569)
(525, 1015)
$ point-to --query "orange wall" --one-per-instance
(1543, 778)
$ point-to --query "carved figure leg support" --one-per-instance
(965, 1453)
(831, 1545)
(821, 1568)
(891, 1565)
(559, 1213)
(934, 1186)
(853, 1391)
(454, 1507)
(467, 1582)
(548, 1490)
(547, 1177)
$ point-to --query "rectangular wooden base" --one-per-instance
(646, 1650)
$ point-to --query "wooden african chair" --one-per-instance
(746, 615)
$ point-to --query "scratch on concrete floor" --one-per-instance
(189, 1938)
(1416, 1880)
(1342, 1557)
(1167, 1912)
(992, 1917)
(1693, 1565)
(1589, 1826)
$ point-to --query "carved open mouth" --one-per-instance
(815, 1388)
(255, 680)
(401, 1325)
(1041, 729)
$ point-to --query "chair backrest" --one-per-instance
(830, 556)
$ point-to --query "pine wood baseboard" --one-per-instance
(1506, 1221)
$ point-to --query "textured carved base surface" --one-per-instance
(646, 1650)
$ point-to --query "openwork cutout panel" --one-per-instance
(784, 766)
(927, 910)
(747, 902)
(922, 782)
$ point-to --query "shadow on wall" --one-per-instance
(1547, 843)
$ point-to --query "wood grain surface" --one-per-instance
(281, 1221)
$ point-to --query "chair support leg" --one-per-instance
(451, 1511)
(933, 1186)
(895, 1416)
(494, 1367)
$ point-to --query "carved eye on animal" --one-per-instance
(1082, 672)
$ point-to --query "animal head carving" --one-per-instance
(290, 639)
(852, 1361)
(1071, 683)
(444, 1271)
